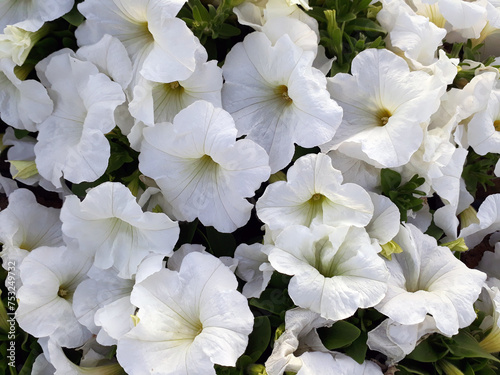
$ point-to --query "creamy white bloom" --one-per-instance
(466, 18)
(277, 98)
(314, 193)
(397, 340)
(257, 13)
(335, 270)
(110, 57)
(16, 43)
(23, 103)
(253, 268)
(26, 225)
(162, 47)
(71, 142)
(317, 363)
(428, 279)
(483, 129)
(201, 169)
(188, 320)
(156, 102)
(299, 336)
(356, 171)
(50, 276)
(31, 14)
(384, 106)
(489, 221)
(412, 34)
(121, 234)
(384, 225)
(61, 364)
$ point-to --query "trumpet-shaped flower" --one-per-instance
(26, 225)
(23, 103)
(335, 270)
(489, 221)
(162, 47)
(314, 193)
(483, 129)
(16, 43)
(188, 320)
(277, 98)
(50, 276)
(253, 268)
(201, 169)
(384, 106)
(428, 279)
(31, 14)
(397, 340)
(300, 335)
(156, 102)
(122, 235)
(71, 142)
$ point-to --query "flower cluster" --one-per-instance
(251, 187)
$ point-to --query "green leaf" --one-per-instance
(276, 301)
(119, 156)
(74, 17)
(340, 334)
(464, 345)
(364, 24)
(389, 179)
(357, 350)
(426, 352)
(226, 30)
(258, 341)
(346, 17)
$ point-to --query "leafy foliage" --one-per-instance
(402, 195)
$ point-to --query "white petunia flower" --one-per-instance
(384, 106)
(462, 17)
(335, 270)
(254, 268)
(110, 57)
(317, 363)
(300, 336)
(397, 340)
(483, 129)
(412, 34)
(384, 225)
(257, 13)
(356, 171)
(277, 98)
(122, 235)
(100, 365)
(71, 142)
(16, 43)
(161, 46)
(314, 193)
(188, 320)
(428, 279)
(31, 14)
(50, 276)
(156, 102)
(489, 221)
(201, 169)
(23, 103)
(21, 157)
(26, 225)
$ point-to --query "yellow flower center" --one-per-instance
(383, 116)
(282, 92)
(496, 124)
